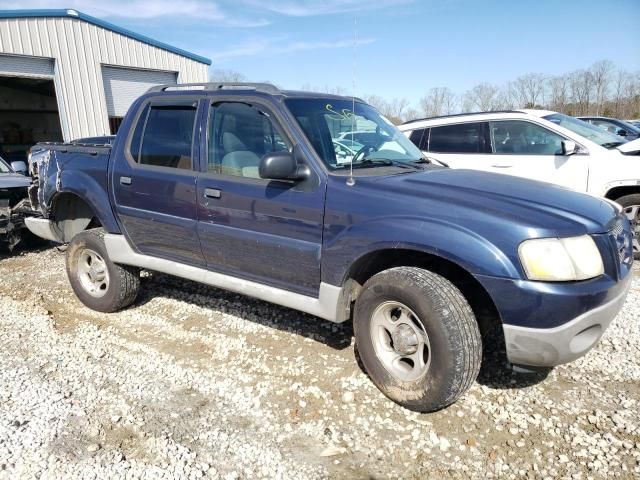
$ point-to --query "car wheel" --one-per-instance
(98, 282)
(417, 338)
(631, 206)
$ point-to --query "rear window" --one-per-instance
(163, 136)
(461, 138)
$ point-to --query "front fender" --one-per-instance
(450, 241)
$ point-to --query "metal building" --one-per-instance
(66, 75)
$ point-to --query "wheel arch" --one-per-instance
(71, 214)
(621, 191)
(371, 263)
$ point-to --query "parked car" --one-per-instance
(540, 145)
(635, 123)
(13, 203)
(423, 259)
(615, 126)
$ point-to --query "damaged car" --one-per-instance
(14, 203)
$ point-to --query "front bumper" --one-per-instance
(547, 347)
(547, 324)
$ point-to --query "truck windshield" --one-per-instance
(341, 135)
(584, 129)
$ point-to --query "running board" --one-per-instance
(326, 306)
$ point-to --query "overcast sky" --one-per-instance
(404, 47)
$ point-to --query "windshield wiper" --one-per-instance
(431, 160)
(386, 162)
(612, 144)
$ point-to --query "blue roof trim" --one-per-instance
(72, 13)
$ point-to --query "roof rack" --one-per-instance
(209, 86)
(461, 115)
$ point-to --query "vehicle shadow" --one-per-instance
(23, 248)
(496, 372)
(154, 285)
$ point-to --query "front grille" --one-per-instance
(622, 241)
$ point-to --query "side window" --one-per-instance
(524, 138)
(136, 139)
(460, 138)
(239, 136)
(420, 138)
(164, 136)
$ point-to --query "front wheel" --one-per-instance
(631, 206)
(98, 282)
(417, 337)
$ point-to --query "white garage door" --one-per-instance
(123, 85)
(18, 66)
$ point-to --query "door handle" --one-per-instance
(125, 180)
(502, 165)
(212, 193)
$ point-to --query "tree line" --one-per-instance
(602, 89)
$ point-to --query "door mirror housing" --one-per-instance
(19, 167)
(569, 147)
(281, 166)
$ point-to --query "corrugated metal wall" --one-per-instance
(79, 50)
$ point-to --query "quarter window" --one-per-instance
(239, 136)
(420, 138)
(163, 136)
(524, 138)
(460, 138)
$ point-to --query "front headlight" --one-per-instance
(561, 259)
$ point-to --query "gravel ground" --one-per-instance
(196, 382)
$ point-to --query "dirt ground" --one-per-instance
(194, 382)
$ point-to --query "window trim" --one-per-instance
(166, 100)
(483, 135)
(544, 127)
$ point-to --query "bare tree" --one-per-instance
(439, 101)
(581, 88)
(483, 97)
(528, 90)
(221, 75)
(600, 76)
(396, 110)
(558, 91)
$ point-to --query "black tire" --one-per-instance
(455, 345)
(122, 285)
(628, 202)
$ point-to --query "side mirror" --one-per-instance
(281, 166)
(19, 167)
(569, 147)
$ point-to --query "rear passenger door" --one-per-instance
(154, 181)
(262, 230)
(462, 145)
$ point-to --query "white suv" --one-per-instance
(541, 145)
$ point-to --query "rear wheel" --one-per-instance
(98, 282)
(631, 206)
(417, 338)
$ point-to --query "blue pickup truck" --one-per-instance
(241, 187)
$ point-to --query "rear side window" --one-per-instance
(461, 138)
(420, 138)
(163, 136)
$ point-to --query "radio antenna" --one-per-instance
(351, 181)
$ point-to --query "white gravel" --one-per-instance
(195, 382)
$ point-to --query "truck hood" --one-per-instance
(14, 180)
(630, 147)
(477, 196)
